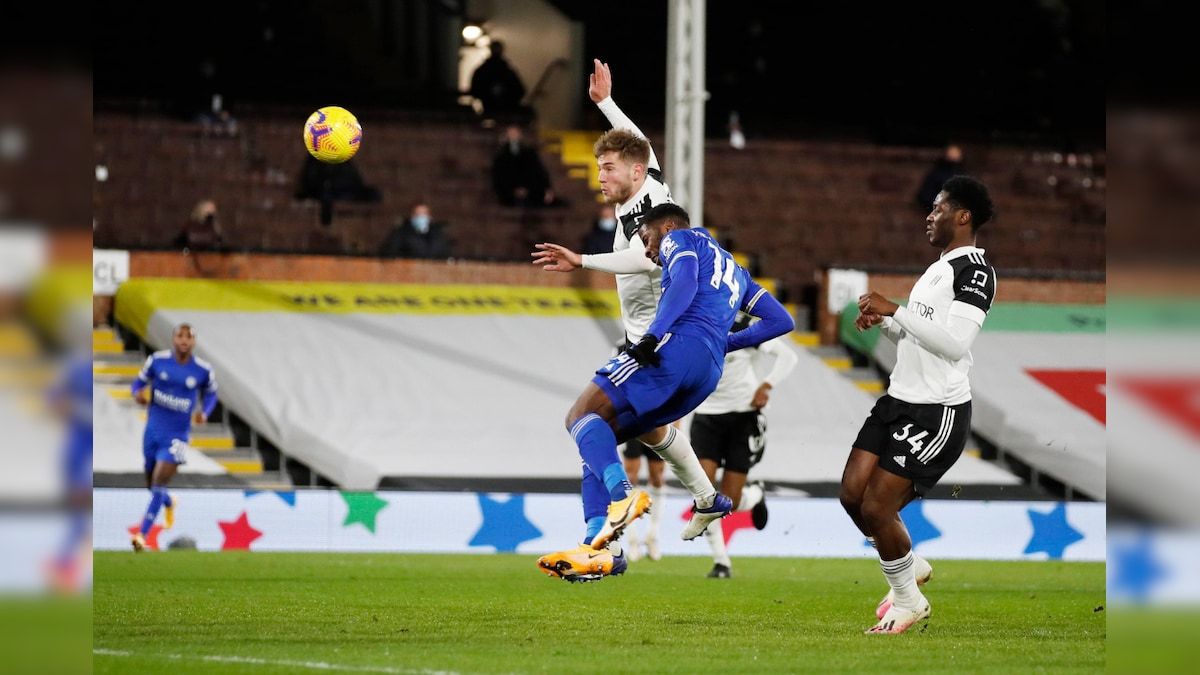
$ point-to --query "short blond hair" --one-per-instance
(630, 147)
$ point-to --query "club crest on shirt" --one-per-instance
(668, 247)
(190, 382)
(162, 375)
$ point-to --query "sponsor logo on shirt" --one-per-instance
(170, 402)
(920, 309)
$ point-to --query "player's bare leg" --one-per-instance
(885, 494)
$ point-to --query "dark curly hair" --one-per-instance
(969, 193)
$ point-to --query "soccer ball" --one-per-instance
(332, 134)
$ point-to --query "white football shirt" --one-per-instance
(637, 291)
(740, 378)
(960, 284)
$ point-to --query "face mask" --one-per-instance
(420, 224)
(608, 224)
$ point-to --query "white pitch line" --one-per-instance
(312, 665)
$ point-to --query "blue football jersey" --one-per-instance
(721, 288)
(175, 387)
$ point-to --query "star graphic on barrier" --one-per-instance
(1137, 568)
(238, 534)
(738, 520)
(363, 508)
(288, 498)
(504, 524)
(151, 536)
(1051, 533)
(919, 527)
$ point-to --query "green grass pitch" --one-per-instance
(264, 613)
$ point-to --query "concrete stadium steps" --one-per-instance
(838, 358)
(105, 341)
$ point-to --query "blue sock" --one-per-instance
(157, 495)
(594, 525)
(78, 526)
(598, 448)
(168, 501)
(595, 503)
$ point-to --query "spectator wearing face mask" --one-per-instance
(418, 236)
(600, 239)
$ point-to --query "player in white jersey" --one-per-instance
(918, 429)
(729, 432)
(630, 180)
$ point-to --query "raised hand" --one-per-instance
(600, 85)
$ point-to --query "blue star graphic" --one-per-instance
(504, 524)
(919, 527)
(1137, 569)
(1051, 533)
(288, 498)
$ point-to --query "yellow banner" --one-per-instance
(137, 299)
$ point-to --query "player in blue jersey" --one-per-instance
(169, 383)
(71, 399)
(666, 375)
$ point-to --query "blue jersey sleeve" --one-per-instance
(209, 396)
(209, 403)
(774, 319)
(676, 299)
(144, 377)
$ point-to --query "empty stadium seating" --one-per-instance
(799, 206)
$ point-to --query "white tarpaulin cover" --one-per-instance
(361, 382)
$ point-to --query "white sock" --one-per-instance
(751, 495)
(655, 519)
(676, 451)
(871, 541)
(900, 577)
(716, 541)
(921, 567)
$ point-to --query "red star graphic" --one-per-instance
(738, 520)
(1176, 398)
(238, 534)
(1082, 388)
(151, 536)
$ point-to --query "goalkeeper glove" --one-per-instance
(643, 352)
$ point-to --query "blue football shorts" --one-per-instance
(649, 397)
(164, 447)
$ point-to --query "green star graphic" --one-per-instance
(363, 508)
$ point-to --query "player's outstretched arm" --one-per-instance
(774, 319)
(600, 91)
(556, 258)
